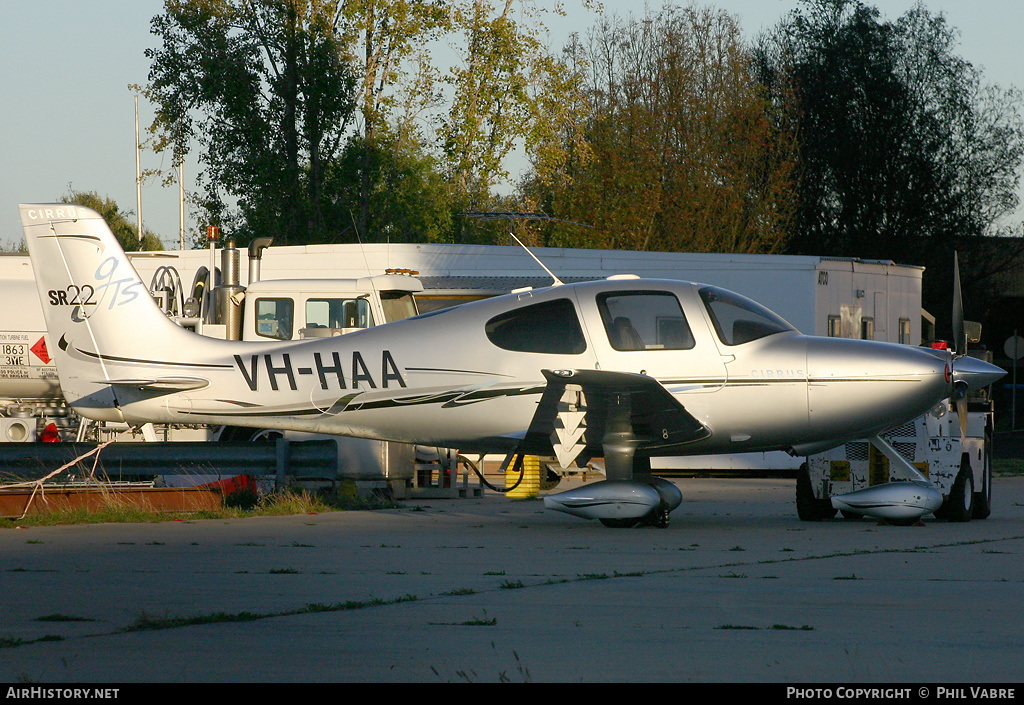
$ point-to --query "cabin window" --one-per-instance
(644, 320)
(274, 318)
(550, 327)
(339, 313)
(739, 320)
(398, 305)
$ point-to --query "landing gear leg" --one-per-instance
(809, 507)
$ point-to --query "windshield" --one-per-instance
(739, 320)
(398, 305)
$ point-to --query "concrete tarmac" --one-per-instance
(736, 589)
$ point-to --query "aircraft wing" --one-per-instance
(597, 410)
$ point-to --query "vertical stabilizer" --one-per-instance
(98, 312)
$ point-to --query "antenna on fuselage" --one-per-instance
(512, 217)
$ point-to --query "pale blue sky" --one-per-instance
(68, 115)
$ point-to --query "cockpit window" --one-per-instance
(549, 327)
(644, 320)
(739, 320)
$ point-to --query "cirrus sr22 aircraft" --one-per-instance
(622, 369)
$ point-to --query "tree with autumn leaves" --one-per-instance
(673, 144)
(328, 120)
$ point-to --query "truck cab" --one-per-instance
(292, 309)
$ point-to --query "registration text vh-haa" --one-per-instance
(214, 304)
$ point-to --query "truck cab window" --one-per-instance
(398, 305)
(274, 318)
(338, 313)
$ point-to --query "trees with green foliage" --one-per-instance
(125, 230)
(406, 199)
(265, 89)
(385, 42)
(313, 114)
(904, 153)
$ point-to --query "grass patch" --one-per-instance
(1008, 466)
(147, 622)
(57, 617)
(474, 622)
(480, 621)
(460, 591)
(285, 503)
(7, 642)
(774, 627)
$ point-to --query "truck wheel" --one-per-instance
(983, 497)
(809, 507)
(959, 506)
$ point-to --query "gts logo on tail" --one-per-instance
(117, 292)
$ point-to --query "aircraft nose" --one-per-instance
(975, 373)
(857, 388)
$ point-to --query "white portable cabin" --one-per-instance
(845, 297)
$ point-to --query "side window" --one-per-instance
(644, 320)
(338, 313)
(274, 318)
(398, 305)
(549, 327)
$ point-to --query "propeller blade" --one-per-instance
(959, 327)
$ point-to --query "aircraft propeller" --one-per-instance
(968, 373)
(959, 348)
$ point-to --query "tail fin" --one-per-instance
(102, 323)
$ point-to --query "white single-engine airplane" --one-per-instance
(622, 369)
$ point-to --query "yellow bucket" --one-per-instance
(530, 486)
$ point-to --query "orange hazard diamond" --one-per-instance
(39, 350)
